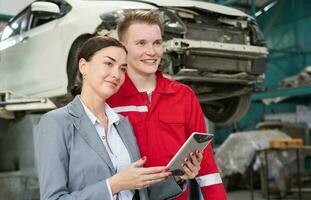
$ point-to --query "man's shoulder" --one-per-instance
(177, 86)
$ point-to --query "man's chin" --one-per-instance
(150, 70)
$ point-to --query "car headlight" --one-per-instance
(172, 23)
(110, 19)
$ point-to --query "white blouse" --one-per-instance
(119, 156)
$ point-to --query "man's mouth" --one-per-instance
(149, 61)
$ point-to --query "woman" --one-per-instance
(85, 150)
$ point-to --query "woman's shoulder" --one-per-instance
(58, 115)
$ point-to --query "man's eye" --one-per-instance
(158, 43)
(141, 43)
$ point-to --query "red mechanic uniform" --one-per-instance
(164, 124)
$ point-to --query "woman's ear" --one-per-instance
(82, 66)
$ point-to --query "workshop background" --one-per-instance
(265, 155)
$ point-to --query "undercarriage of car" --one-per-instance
(221, 57)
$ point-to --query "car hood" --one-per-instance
(207, 6)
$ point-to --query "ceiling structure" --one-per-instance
(252, 7)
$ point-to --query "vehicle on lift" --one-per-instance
(218, 51)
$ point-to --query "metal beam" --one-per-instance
(253, 8)
(223, 2)
(229, 2)
(284, 92)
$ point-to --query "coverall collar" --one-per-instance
(161, 86)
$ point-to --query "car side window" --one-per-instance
(42, 18)
(39, 20)
(17, 25)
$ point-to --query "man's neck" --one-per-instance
(143, 82)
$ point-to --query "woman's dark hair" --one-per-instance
(87, 51)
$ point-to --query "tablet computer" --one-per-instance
(194, 142)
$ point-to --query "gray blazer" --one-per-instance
(73, 162)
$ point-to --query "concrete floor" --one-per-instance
(246, 195)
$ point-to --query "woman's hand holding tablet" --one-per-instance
(197, 141)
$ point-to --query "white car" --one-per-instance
(217, 50)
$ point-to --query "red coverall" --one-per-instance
(163, 125)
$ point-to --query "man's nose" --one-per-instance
(150, 50)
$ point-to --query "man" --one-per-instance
(163, 112)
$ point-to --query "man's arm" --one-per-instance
(208, 178)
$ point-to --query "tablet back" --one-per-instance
(195, 141)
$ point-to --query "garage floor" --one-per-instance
(246, 195)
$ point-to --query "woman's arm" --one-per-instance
(174, 186)
(53, 156)
(135, 176)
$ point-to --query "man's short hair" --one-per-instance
(129, 17)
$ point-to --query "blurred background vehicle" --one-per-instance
(217, 50)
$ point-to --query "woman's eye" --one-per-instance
(109, 64)
(123, 69)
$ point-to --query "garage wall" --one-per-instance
(287, 29)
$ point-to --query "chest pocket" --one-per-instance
(172, 125)
(172, 117)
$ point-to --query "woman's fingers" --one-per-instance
(191, 166)
(154, 181)
(135, 176)
(154, 170)
(151, 175)
(188, 173)
(188, 163)
(189, 169)
(199, 155)
(140, 162)
(149, 179)
(156, 176)
(194, 159)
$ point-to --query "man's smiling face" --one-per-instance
(144, 44)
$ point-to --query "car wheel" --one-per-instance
(72, 62)
(227, 111)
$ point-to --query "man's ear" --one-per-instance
(123, 40)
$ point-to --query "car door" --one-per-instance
(11, 52)
(34, 67)
(43, 62)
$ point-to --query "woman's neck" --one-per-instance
(93, 102)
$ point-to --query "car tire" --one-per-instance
(227, 111)
(72, 62)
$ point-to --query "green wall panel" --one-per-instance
(287, 29)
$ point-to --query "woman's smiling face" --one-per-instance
(104, 73)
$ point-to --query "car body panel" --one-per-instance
(29, 77)
(199, 4)
(217, 50)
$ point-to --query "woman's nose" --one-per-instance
(116, 73)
